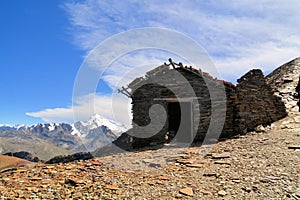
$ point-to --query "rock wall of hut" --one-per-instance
(256, 103)
(248, 104)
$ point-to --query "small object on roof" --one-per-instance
(171, 62)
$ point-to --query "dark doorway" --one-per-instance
(180, 118)
(174, 116)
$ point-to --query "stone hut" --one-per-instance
(191, 105)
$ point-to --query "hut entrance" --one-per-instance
(174, 116)
(180, 120)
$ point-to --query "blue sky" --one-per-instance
(43, 44)
(38, 61)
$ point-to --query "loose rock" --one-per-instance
(187, 191)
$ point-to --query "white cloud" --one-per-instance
(133, 65)
(54, 115)
(266, 56)
(229, 30)
(238, 35)
(115, 107)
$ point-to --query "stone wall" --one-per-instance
(256, 103)
(284, 80)
(249, 104)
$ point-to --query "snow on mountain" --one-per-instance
(21, 127)
(78, 128)
(6, 127)
(80, 136)
(75, 131)
(10, 127)
(96, 121)
(53, 126)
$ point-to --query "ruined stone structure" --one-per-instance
(190, 98)
(256, 102)
(284, 80)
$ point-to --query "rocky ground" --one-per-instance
(261, 165)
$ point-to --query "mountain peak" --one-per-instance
(61, 137)
(96, 116)
(98, 120)
(11, 127)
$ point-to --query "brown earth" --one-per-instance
(261, 165)
(11, 162)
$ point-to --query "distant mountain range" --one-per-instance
(15, 127)
(48, 140)
(79, 128)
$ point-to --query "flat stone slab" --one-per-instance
(297, 119)
(221, 155)
(294, 147)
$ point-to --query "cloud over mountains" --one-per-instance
(236, 35)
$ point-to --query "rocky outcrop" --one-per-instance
(24, 155)
(70, 158)
(256, 102)
(284, 80)
(57, 159)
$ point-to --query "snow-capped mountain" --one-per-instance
(78, 128)
(60, 137)
(10, 127)
(96, 121)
